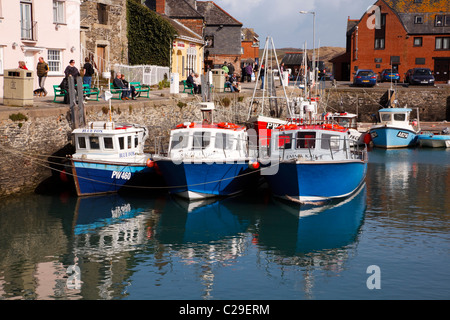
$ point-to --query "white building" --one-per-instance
(30, 29)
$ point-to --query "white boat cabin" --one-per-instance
(106, 140)
(344, 119)
(395, 116)
(309, 143)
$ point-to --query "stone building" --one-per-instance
(103, 35)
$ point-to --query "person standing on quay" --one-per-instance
(88, 72)
(41, 72)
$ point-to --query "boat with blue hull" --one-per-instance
(314, 163)
(431, 140)
(394, 129)
(208, 159)
(110, 157)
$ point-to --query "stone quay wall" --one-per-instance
(30, 148)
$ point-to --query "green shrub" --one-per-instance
(18, 117)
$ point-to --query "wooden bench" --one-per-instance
(188, 87)
(141, 88)
(58, 93)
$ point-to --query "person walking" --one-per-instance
(88, 72)
(41, 72)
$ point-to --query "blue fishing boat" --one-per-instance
(207, 159)
(314, 163)
(431, 140)
(109, 157)
(394, 129)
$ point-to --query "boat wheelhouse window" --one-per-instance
(94, 143)
(306, 140)
(329, 141)
(108, 142)
(122, 143)
(136, 141)
(201, 140)
(399, 116)
(223, 141)
(285, 141)
(385, 117)
(81, 143)
(179, 140)
(129, 142)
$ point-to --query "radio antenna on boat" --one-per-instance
(267, 82)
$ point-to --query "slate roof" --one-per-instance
(181, 9)
(249, 34)
(293, 58)
(214, 15)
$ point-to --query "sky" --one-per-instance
(281, 20)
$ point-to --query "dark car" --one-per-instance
(365, 77)
(389, 75)
(419, 76)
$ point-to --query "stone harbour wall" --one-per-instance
(31, 147)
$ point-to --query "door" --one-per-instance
(441, 69)
(101, 58)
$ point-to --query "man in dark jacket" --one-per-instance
(118, 84)
(88, 72)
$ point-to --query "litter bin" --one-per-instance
(218, 80)
(18, 87)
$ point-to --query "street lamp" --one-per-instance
(314, 42)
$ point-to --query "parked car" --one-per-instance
(389, 75)
(365, 77)
(419, 76)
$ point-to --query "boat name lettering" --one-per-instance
(92, 131)
(121, 175)
(402, 134)
(126, 154)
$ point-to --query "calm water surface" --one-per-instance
(248, 247)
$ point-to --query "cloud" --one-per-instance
(282, 21)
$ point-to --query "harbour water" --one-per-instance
(390, 240)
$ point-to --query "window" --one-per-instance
(54, 58)
(58, 11)
(399, 116)
(418, 19)
(379, 43)
(439, 21)
(443, 43)
(201, 140)
(26, 21)
(223, 141)
(102, 10)
(129, 142)
(136, 141)
(420, 60)
(417, 41)
(179, 141)
(385, 117)
(285, 141)
(306, 140)
(329, 142)
(94, 143)
(108, 142)
(81, 143)
(121, 143)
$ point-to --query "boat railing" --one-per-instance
(312, 149)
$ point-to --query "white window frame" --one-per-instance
(55, 65)
(59, 11)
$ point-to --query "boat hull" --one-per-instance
(201, 180)
(311, 181)
(437, 141)
(392, 137)
(93, 178)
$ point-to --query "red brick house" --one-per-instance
(250, 45)
(403, 33)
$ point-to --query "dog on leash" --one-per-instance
(39, 92)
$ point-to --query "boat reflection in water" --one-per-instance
(298, 230)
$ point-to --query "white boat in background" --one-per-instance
(349, 121)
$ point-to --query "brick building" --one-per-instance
(250, 46)
(403, 34)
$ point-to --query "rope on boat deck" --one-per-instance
(42, 163)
